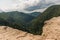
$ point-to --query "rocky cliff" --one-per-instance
(51, 31)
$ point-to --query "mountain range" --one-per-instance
(16, 18)
(32, 23)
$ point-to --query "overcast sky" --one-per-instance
(26, 5)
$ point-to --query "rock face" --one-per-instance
(51, 31)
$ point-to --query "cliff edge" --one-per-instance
(51, 31)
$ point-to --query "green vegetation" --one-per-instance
(15, 19)
(27, 22)
(36, 26)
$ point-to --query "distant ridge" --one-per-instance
(35, 14)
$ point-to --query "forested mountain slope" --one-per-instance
(36, 25)
(15, 19)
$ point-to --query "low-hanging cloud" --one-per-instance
(25, 5)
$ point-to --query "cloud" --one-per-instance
(43, 4)
(25, 5)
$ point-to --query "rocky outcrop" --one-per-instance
(51, 31)
(7, 33)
